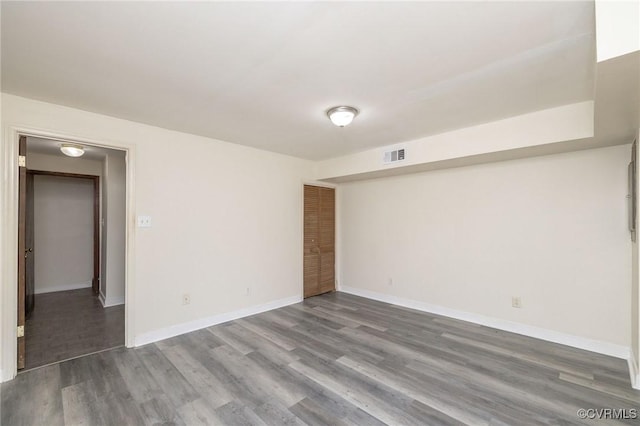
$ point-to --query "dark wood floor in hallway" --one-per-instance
(331, 360)
(67, 324)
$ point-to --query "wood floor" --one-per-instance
(67, 324)
(334, 359)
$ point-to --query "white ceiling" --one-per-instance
(264, 73)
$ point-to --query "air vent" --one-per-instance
(393, 156)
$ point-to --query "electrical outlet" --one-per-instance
(144, 221)
(186, 299)
(516, 302)
(390, 282)
(247, 291)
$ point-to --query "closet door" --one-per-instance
(319, 240)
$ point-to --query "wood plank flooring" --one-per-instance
(67, 324)
(334, 359)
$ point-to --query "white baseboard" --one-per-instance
(634, 372)
(110, 301)
(113, 301)
(175, 330)
(8, 377)
(606, 348)
(64, 287)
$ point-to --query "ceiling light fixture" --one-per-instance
(72, 150)
(342, 115)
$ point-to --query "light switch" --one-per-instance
(144, 221)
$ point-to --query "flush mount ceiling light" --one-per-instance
(342, 115)
(72, 150)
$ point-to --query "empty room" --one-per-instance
(322, 213)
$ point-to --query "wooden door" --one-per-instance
(22, 248)
(319, 240)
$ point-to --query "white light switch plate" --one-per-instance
(144, 221)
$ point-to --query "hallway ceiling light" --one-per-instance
(342, 115)
(72, 150)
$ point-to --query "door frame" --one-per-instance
(9, 236)
(21, 281)
(338, 238)
(95, 280)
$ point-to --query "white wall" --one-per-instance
(112, 286)
(104, 228)
(112, 171)
(63, 229)
(551, 230)
(635, 286)
(60, 163)
(226, 218)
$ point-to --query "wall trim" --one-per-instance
(605, 348)
(186, 327)
(113, 301)
(633, 372)
(64, 287)
(320, 183)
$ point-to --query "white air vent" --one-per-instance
(393, 156)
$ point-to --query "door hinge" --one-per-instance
(22, 161)
(21, 331)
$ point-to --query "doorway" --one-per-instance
(319, 240)
(67, 307)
